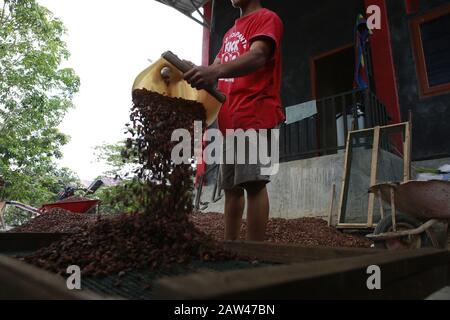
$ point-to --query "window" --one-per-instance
(431, 44)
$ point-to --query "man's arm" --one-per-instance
(261, 51)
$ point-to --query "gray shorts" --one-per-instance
(238, 175)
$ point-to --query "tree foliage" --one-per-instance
(35, 94)
(111, 155)
(118, 198)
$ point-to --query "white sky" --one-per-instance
(110, 42)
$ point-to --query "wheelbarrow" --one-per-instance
(416, 206)
(75, 206)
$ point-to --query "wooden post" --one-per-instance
(330, 209)
(381, 204)
(407, 153)
(394, 210)
(2, 214)
(408, 143)
(373, 175)
(347, 165)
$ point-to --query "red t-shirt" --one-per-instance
(253, 101)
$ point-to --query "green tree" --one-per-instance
(112, 156)
(35, 94)
(37, 188)
(118, 198)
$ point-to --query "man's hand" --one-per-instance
(261, 51)
(202, 77)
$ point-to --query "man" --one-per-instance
(248, 68)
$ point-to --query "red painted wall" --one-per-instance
(206, 34)
(201, 166)
(383, 63)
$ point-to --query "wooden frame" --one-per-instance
(292, 253)
(413, 274)
(331, 207)
(309, 273)
(419, 54)
(401, 127)
(373, 173)
(21, 281)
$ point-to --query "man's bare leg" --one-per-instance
(257, 211)
(234, 209)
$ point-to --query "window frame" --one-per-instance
(421, 68)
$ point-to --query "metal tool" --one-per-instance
(165, 76)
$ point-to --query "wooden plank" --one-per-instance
(2, 214)
(393, 210)
(331, 207)
(345, 180)
(362, 131)
(352, 225)
(404, 275)
(344, 116)
(20, 281)
(381, 204)
(407, 153)
(355, 226)
(396, 126)
(410, 127)
(291, 253)
(373, 175)
(389, 128)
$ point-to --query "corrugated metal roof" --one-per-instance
(188, 7)
(185, 6)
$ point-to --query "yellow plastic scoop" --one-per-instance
(165, 76)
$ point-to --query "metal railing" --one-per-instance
(326, 132)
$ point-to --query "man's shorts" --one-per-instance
(237, 175)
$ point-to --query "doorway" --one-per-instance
(332, 73)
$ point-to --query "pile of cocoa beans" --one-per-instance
(310, 232)
(56, 221)
(161, 234)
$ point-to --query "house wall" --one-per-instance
(315, 27)
(311, 28)
(307, 186)
(431, 125)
